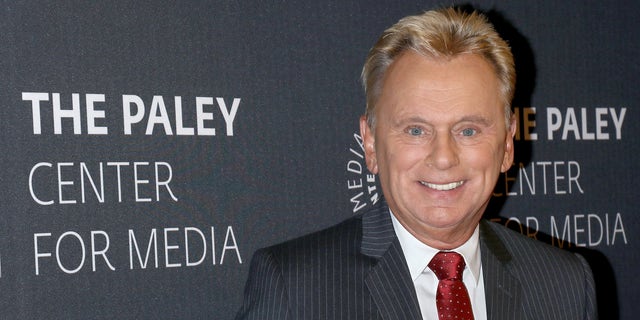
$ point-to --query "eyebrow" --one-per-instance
(471, 118)
(476, 119)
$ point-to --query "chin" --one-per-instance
(442, 219)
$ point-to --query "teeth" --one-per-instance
(443, 187)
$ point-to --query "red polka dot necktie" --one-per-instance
(452, 298)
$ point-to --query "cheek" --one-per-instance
(403, 157)
(487, 158)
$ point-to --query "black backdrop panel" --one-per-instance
(149, 148)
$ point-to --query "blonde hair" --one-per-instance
(442, 33)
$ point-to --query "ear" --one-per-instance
(507, 161)
(368, 143)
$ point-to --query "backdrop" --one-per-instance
(149, 148)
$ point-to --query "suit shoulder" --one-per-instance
(344, 237)
(555, 283)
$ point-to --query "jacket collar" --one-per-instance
(388, 280)
(377, 231)
(503, 291)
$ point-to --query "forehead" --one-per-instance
(466, 83)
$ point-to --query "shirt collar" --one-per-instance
(418, 254)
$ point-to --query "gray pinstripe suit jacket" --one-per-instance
(356, 270)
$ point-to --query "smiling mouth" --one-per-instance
(442, 187)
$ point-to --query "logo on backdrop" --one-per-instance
(361, 184)
(108, 181)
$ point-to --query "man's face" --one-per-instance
(439, 143)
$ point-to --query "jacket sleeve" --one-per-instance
(265, 294)
(591, 304)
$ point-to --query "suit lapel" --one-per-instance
(389, 280)
(503, 292)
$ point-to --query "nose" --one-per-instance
(443, 153)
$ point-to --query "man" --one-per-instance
(438, 131)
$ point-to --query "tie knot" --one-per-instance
(447, 265)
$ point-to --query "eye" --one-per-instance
(468, 132)
(415, 131)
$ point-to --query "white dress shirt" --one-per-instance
(418, 256)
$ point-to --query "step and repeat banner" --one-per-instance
(148, 148)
